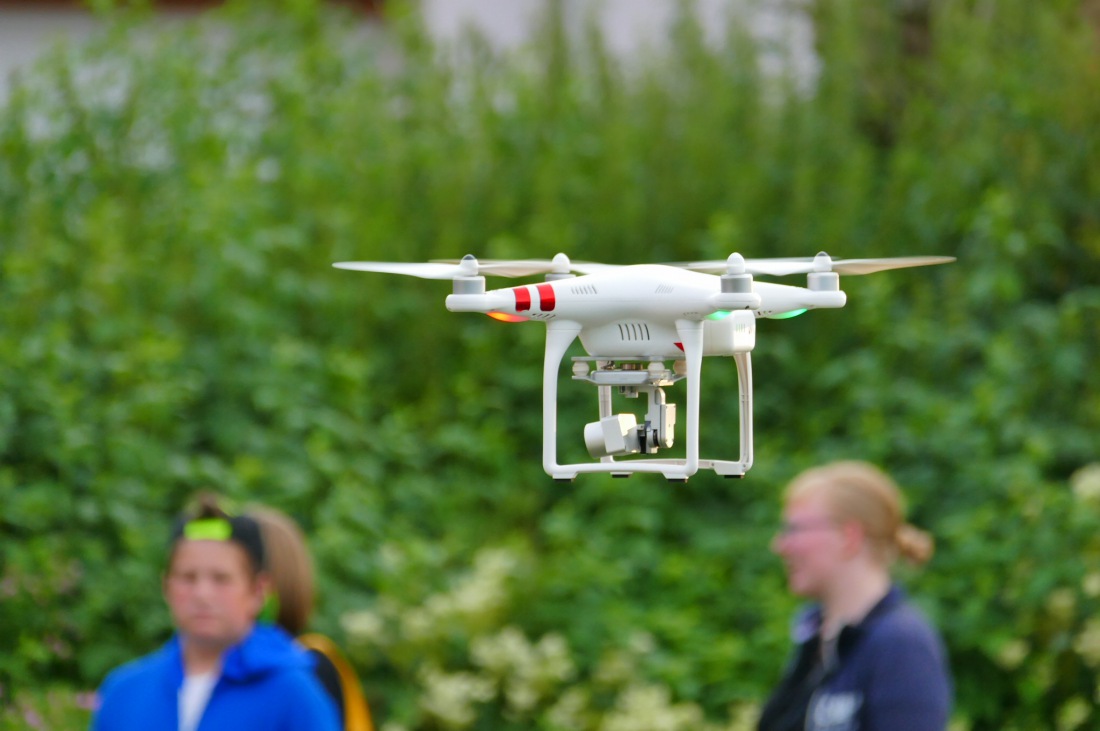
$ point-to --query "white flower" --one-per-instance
(1074, 713)
(569, 711)
(1061, 603)
(268, 170)
(555, 661)
(364, 627)
(1091, 584)
(391, 558)
(743, 717)
(614, 668)
(641, 643)
(393, 726)
(482, 593)
(1086, 483)
(1012, 653)
(1087, 643)
(502, 652)
(521, 694)
(649, 708)
(528, 671)
(418, 624)
(450, 697)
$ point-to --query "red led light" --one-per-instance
(506, 317)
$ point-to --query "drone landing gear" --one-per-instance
(616, 435)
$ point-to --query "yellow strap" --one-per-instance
(356, 708)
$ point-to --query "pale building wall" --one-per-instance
(27, 32)
(629, 25)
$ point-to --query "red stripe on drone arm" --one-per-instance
(523, 298)
(546, 297)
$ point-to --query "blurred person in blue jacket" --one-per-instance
(865, 658)
(221, 671)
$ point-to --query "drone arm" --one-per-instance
(785, 298)
(734, 301)
(494, 301)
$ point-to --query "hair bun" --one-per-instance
(915, 545)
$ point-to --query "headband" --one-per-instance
(239, 529)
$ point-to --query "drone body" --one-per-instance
(633, 321)
(632, 311)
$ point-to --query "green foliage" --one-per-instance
(45, 708)
(170, 202)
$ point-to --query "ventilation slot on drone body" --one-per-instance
(584, 289)
(633, 331)
(665, 289)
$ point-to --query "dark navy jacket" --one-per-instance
(890, 673)
(267, 684)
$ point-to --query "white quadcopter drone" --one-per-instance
(636, 320)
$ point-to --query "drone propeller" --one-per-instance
(870, 266)
(428, 270)
(468, 266)
(820, 263)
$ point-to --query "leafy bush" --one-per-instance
(45, 708)
(172, 199)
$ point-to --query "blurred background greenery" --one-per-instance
(170, 205)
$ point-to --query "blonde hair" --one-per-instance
(289, 565)
(860, 492)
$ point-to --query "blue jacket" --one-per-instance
(266, 684)
(889, 673)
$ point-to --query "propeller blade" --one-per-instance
(779, 267)
(591, 267)
(773, 267)
(430, 270)
(870, 266)
(507, 267)
(804, 265)
(527, 267)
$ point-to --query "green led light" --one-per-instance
(719, 315)
(787, 315)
